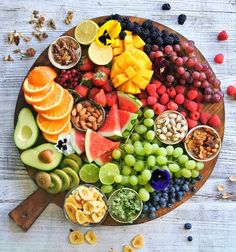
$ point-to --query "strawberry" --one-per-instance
(87, 79)
(99, 79)
(222, 36)
(100, 98)
(85, 64)
(82, 90)
(107, 87)
(103, 69)
(219, 58)
(92, 92)
(111, 98)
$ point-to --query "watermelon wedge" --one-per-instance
(77, 140)
(128, 102)
(127, 120)
(111, 126)
(96, 145)
(107, 156)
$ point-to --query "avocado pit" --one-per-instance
(46, 156)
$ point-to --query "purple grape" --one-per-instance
(208, 91)
(216, 98)
(207, 98)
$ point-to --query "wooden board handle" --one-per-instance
(30, 209)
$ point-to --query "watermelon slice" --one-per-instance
(77, 140)
(128, 102)
(127, 120)
(96, 145)
(107, 156)
(111, 126)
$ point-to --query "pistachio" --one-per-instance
(46, 156)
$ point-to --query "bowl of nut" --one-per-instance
(87, 114)
(202, 143)
(170, 127)
(64, 53)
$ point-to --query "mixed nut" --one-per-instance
(171, 127)
(85, 116)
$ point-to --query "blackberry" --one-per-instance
(148, 41)
(187, 226)
(154, 29)
(147, 48)
(126, 19)
(145, 34)
(122, 35)
(181, 19)
(117, 17)
(137, 29)
(166, 6)
(190, 238)
(123, 25)
(129, 26)
(101, 23)
(175, 38)
(147, 24)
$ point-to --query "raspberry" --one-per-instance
(204, 118)
(199, 97)
(219, 58)
(157, 83)
(171, 92)
(183, 113)
(191, 123)
(158, 108)
(161, 90)
(214, 121)
(192, 94)
(191, 106)
(172, 105)
(143, 94)
(144, 102)
(194, 115)
(164, 99)
(231, 90)
(180, 89)
(179, 99)
(222, 36)
(151, 100)
(199, 107)
(151, 89)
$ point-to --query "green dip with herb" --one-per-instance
(125, 205)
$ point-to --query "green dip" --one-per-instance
(125, 205)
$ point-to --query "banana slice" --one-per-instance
(90, 237)
(89, 219)
(88, 207)
(71, 211)
(79, 206)
(80, 217)
(98, 205)
(138, 241)
(101, 213)
(127, 248)
(96, 218)
(96, 193)
(76, 237)
(71, 199)
(85, 193)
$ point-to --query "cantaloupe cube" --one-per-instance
(146, 74)
(117, 51)
(138, 42)
(119, 79)
(130, 71)
(118, 43)
(140, 81)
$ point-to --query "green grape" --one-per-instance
(183, 159)
(147, 148)
(161, 151)
(129, 141)
(144, 194)
(133, 180)
(151, 160)
(170, 150)
(178, 174)
(135, 137)
(190, 164)
(148, 122)
(161, 160)
(186, 173)
(154, 148)
(173, 167)
(149, 188)
(122, 146)
(195, 173)
(164, 167)
(130, 160)
(129, 148)
(116, 154)
(141, 181)
(139, 165)
(140, 113)
(156, 141)
(146, 175)
(133, 172)
(106, 188)
(137, 144)
(139, 151)
(199, 166)
(178, 152)
(149, 113)
(126, 170)
(118, 178)
(140, 129)
(150, 135)
(125, 180)
(125, 134)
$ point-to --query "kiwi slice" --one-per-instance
(56, 184)
(74, 178)
(43, 179)
(64, 178)
(76, 158)
(70, 163)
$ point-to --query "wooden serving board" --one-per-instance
(29, 210)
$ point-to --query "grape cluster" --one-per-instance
(68, 78)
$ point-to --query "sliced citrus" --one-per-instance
(52, 127)
(41, 75)
(86, 32)
(62, 110)
(107, 173)
(89, 173)
(37, 99)
(52, 101)
(54, 138)
(35, 90)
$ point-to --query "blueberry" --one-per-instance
(176, 188)
(173, 195)
(194, 189)
(162, 200)
(154, 203)
(163, 204)
(157, 207)
(165, 195)
(181, 19)
(152, 209)
(142, 215)
(152, 215)
(145, 208)
(180, 194)
(165, 189)
(199, 177)
(171, 189)
(192, 181)
(159, 194)
(190, 238)
(177, 181)
(172, 200)
(179, 198)
(169, 205)
(156, 198)
(122, 35)
(185, 188)
(187, 226)
(166, 6)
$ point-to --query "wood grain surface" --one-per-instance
(214, 223)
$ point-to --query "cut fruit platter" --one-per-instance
(118, 121)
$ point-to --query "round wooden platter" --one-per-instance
(28, 211)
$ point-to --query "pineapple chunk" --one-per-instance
(146, 74)
(119, 79)
(125, 60)
(117, 51)
(130, 71)
(118, 43)
(139, 65)
(138, 42)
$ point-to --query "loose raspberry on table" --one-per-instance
(219, 58)
(231, 90)
(223, 35)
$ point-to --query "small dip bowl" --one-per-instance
(170, 127)
(72, 52)
(202, 143)
(87, 114)
(119, 198)
(85, 205)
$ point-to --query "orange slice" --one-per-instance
(40, 98)
(41, 75)
(62, 110)
(35, 90)
(52, 101)
(52, 127)
(54, 138)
